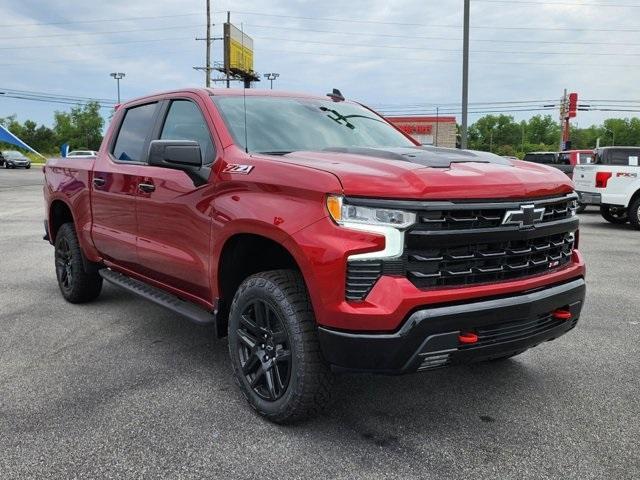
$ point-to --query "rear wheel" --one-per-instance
(274, 347)
(616, 215)
(77, 285)
(634, 213)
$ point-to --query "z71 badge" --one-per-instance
(243, 169)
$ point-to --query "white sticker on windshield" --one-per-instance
(633, 161)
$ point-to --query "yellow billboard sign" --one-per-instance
(238, 50)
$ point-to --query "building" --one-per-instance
(437, 131)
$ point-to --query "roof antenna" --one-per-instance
(244, 96)
(336, 95)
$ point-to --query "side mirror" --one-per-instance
(182, 155)
(178, 154)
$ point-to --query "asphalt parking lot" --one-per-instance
(120, 388)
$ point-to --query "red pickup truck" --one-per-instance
(317, 237)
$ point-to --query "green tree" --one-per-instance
(493, 131)
(81, 127)
(542, 130)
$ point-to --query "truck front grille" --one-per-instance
(485, 262)
(466, 243)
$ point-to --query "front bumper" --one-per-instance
(429, 336)
(589, 198)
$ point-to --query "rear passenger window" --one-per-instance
(623, 157)
(135, 128)
(185, 122)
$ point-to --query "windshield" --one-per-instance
(13, 154)
(279, 125)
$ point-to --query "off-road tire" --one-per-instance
(608, 215)
(85, 283)
(310, 379)
(633, 212)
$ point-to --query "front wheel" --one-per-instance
(28, 167)
(634, 213)
(77, 285)
(617, 215)
(274, 347)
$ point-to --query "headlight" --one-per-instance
(383, 221)
(343, 213)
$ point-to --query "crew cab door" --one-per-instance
(173, 213)
(114, 185)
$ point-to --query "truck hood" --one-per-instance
(433, 173)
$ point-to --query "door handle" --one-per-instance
(146, 187)
(98, 181)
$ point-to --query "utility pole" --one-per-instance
(563, 118)
(118, 76)
(437, 124)
(227, 33)
(207, 68)
(465, 75)
(208, 64)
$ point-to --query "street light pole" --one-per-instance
(271, 77)
(118, 76)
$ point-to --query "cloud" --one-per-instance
(420, 66)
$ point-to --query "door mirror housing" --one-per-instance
(182, 155)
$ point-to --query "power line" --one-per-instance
(405, 59)
(406, 24)
(441, 104)
(54, 95)
(118, 42)
(449, 50)
(103, 20)
(574, 4)
(102, 32)
(51, 100)
(453, 39)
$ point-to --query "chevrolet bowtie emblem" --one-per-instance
(525, 217)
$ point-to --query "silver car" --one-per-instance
(15, 159)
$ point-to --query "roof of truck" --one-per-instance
(249, 92)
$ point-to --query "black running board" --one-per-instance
(186, 309)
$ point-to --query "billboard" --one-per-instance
(238, 50)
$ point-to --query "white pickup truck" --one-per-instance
(613, 183)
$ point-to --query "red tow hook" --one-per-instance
(467, 337)
(561, 314)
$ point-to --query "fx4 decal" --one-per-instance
(233, 168)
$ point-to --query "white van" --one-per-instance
(612, 182)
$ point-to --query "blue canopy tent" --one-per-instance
(7, 137)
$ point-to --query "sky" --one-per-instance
(399, 56)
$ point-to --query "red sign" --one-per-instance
(416, 129)
(573, 104)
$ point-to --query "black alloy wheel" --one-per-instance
(78, 279)
(274, 347)
(64, 267)
(617, 215)
(264, 350)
